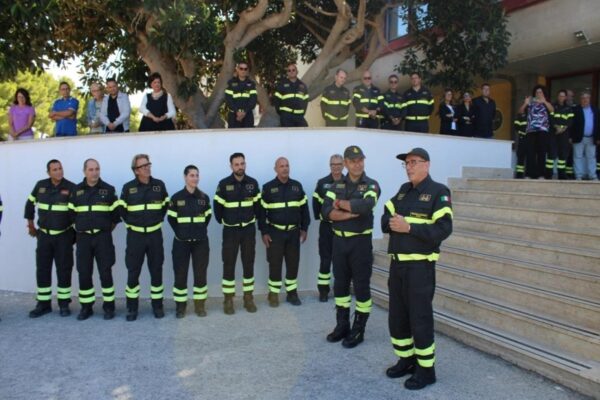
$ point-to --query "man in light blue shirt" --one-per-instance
(64, 112)
(93, 108)
(116, 109)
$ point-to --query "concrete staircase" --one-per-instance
(520, 275)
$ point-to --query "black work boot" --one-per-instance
(273, 299)
(180, 307)
(249, 302)
(63, 307)
(323, 293)
(292, 298)
(228, 304)
(157, 308)
(132, 309)
(199, 308)
(357, 333)
(109, 310)
(85, 312)
(342, 327)
(41, 308)
(403, 367)
(421, 378)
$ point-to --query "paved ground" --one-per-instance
(273, 354)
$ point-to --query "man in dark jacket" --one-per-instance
(585, 135)
(485, 110)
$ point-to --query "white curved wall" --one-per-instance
(308, 150)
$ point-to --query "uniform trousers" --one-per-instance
(140, 246)
(198, 251)
(353, 263)
(244, 240)
(284, 245)
(325, 253)
(100, 247)
(57, 249)
(417, 126)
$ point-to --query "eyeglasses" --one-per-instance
(147, 165)
(291, 70)
(243, 68)
(366, 78)
(392, 82)
(412, 163)
(336, 164)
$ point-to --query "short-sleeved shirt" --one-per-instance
(20, 118)
(66, 126)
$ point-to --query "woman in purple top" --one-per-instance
(537, 140)
(21, 116)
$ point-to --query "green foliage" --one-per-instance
(455, 42)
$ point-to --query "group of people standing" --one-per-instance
(559, 134)
(418, 218)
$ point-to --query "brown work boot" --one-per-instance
(273, 299)
(199, 308)
(228, 304)
(249, 302)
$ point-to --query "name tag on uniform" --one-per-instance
(425, 197)
(42, 190)
(340, 185)
(181, 203)
(327, 186)
(156, 188)
(132, 190)
(79, 193)
(229, 188)
(418, 215)
(274, 190)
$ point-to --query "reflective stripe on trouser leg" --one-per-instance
(343, 302)
(156, 292)
(403, 348)
(87, 296)
(228, 286)
(108, 294)
(364, 306)
(200, 293)
(323, 279)
(291, 284)
(44, 294)
(132, 293)
(426, 356)
(274, 286)
(180, 295)
(63, 293)
(248, 285)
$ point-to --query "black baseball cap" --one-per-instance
(353, 152)
(417, 151)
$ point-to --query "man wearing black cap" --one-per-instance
(349, 205)
(418, 218)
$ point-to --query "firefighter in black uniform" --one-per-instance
(144, 202)
(418, 218)
(283, 222)
(349, 204)
(368, 103)
(560, 146)
(94, 212)
(335, 101)
(236, 206)
(417, 105)
(291, 99)
(520, 135)
(336, 166)
(189, 215)
(240, 97)
(55, 238)
(392, 106)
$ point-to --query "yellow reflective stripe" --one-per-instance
(334, 118)
(31, 198)
(147, 229)
(426, 351)
(361, 115)
(390, 206)
(413, 220)
(428, 363)
(219, 199)
(364, 306)
(403, 342)
(283, 227)
(417, 118)
(139, 207)
(405, 353)
(53, 232)
(172, 213)
(521, 123)
(100, 208)
(228, 91)
(441, 212)
(154, 206)
(370, 193)
(330, 102)
(351, 234)
(318, 197)
(53, 207)
(272, 205)
(86, 292)
(242, 224)
(343, 301)
(257, 197)
(331, 195)
(426, 102)
(415, 257)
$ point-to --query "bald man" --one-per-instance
(283, 222)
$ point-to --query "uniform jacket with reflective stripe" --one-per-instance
(562, 116)
(335, 101)
(144, 205)
(363, 195)
(94, 207)
(237, 202)
(189, 214)
(323, 186)
(393, 105)
(417, 104)
(240, 95)
(52, 204)
(283, 204)
(371, 98)
(520, 126)
(428, 209)
(291, 96)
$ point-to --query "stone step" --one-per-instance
(549, 234)
(579, 260)
(532, 216)
(500, 316)
(581, 285)
(524, 200)
(528, 186)
(584, 315)
(578, 373)
(486, 172)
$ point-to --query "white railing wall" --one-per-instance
(308, 151)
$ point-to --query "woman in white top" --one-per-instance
(157, 107)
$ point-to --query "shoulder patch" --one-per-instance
(445, 198)
(400, 196)
(425, 197)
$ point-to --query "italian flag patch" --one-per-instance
(445, 198)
